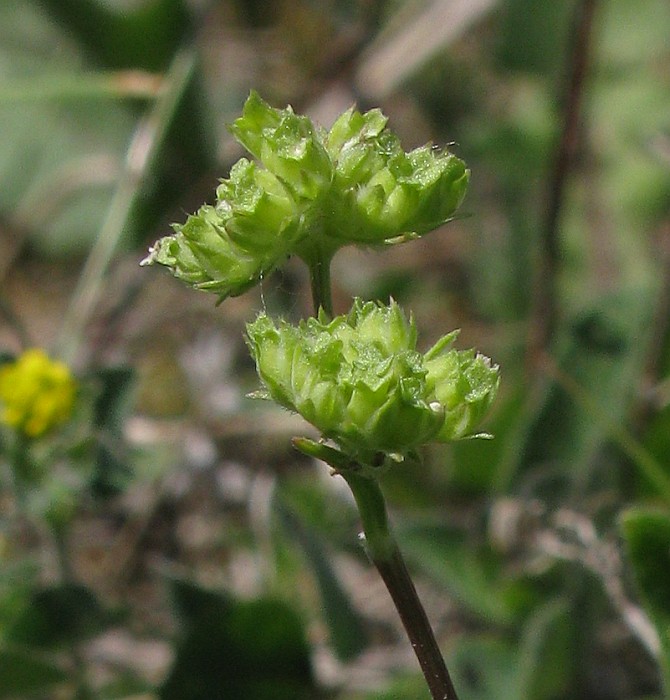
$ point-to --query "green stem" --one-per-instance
(319, 277)
(380, 543)
(384, 553)
(23, 469)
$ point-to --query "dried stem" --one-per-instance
(546, 305)
(384, 553)
(386, 556)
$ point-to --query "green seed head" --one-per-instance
(361, 382)
(310, 192)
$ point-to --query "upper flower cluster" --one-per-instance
(360, 380)
(36, 393)
(309, 192)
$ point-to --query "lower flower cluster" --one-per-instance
(360, 380)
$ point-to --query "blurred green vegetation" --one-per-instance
(193, 532)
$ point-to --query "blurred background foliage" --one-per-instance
(199, 557)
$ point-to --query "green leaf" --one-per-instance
(657, 441)
(237, 649)
(347, 632)
(140, 35)
(112, 471)
(647, 536)
(484, 669)
(23, 673)
(404, 686)
(528, 668)
(61, 155)
(525, 44)
(17, 581)
(583, 401)
(124, 687)
(58, 616)
(545, 652)
(470, 574)
(111, 402)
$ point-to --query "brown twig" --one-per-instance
(660, 326)
(413, 616)
(383, 552)
(546, 303)
(387, 558)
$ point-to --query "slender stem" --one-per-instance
(140, 159)
(385, 555)
(23, 469)
(319, 277)
(546, 306)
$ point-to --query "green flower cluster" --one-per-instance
(309, 192)
(361, 382)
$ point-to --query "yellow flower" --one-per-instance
(36, 393)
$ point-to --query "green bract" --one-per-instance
(361, 382)
(313, 192)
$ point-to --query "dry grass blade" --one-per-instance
(395, 58)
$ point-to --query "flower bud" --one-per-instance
(288, 145)
(202, 254)
(360, 380)
(227, 248)
(385, 327)
(352, 128)
(381, 193)
(464, 383)
(36, 393)
(257, 212)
